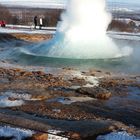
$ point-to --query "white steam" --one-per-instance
(82, 33)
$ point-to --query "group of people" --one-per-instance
(40, 24)
(37, 22)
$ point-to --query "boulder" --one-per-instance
(95, 92)
(39, 137)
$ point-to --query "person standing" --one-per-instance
(3, 24)
(40, 23)
(35, 22)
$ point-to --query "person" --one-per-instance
(2, 23)
(40, 23)
(35, 21)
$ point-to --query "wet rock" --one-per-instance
(95, 92)
(109, 83)
(93, 74)
(11, 73)
(31, 38)
(77, 81)
(98, 71)
(18, 70)
(38, 73)
(75, 136)
(3, 61)
(116, 82)
(39, 97)
(68, 68)
(22, 79)
(25, 74)
(12, 99)
(39, 137)
(7, 138)
(108, 73)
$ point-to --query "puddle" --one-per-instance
(130, 100)
(70, 100)
(23, 96)
(16, 133)
(62, 100)
(10, 99)
(7, 102)
(66, 90)
(74, 87)
(118, 136)
(138, 79)
(134, 93)
(11, 133)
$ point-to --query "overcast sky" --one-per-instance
(126, 1)
(56, 3)
(36, 3)
(62, 1)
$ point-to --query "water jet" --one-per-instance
(82, 34)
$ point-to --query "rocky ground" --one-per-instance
(25, 37)
(80, 104)
(54, 98)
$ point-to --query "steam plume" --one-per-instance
(82, 33)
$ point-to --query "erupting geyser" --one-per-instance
(82, 33)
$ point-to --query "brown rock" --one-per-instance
(39, 97)
(107, 83)
(12, 99)
(18, 70)
(98, 71)
(108, 73)
(40, 73)
(75, 136)
(11, 72)
(39, 137)
(27, 74)
(95, 92)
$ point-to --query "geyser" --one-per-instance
(82, 33)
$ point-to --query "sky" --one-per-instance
(53, 3)
(35, 3)
(125, 1)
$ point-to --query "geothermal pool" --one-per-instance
(126, 64)
(81, 41)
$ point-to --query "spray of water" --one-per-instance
(82, 33)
